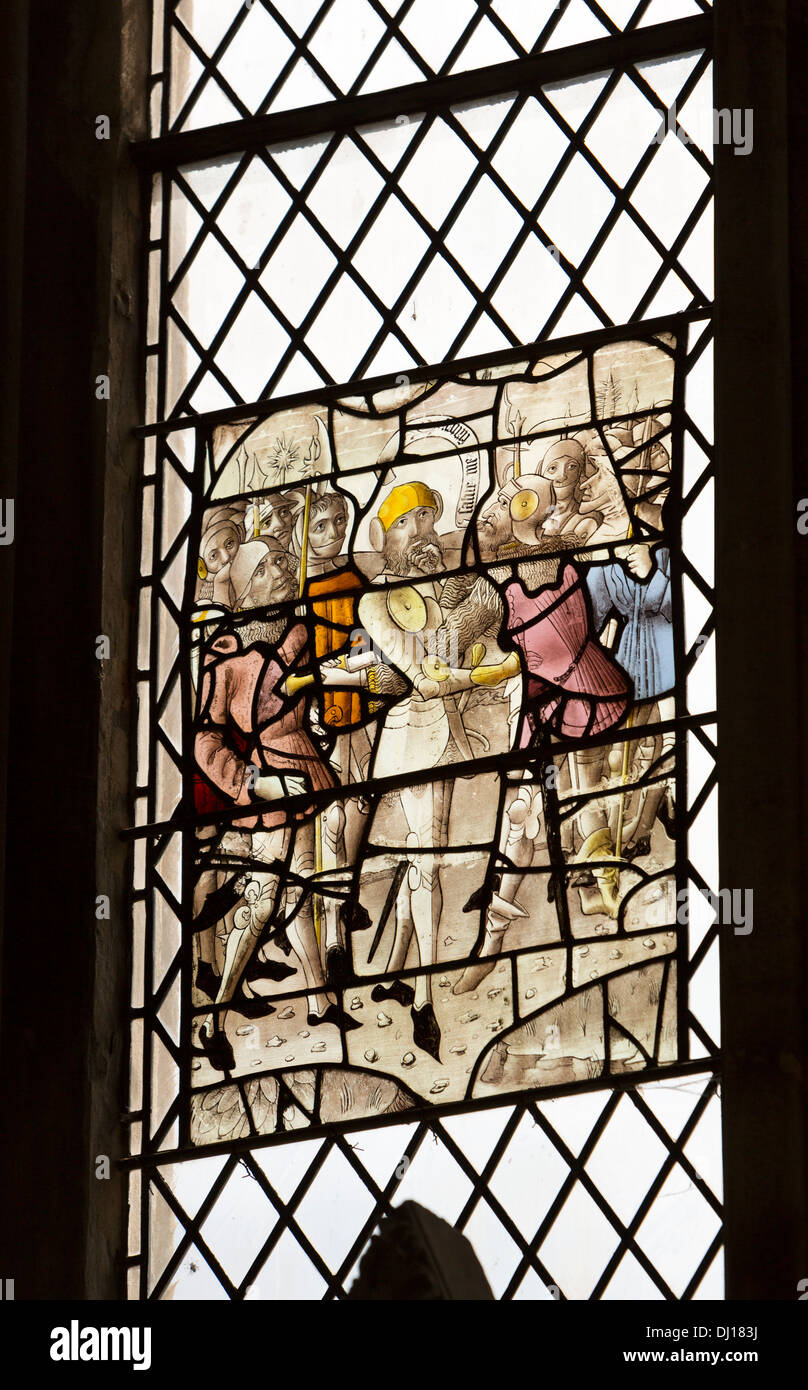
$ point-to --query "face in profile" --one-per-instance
(660, 458)
(494, 526)
(601, 493)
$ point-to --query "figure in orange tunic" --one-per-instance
(333, 590)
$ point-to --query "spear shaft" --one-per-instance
(304, 550)
(316, 902)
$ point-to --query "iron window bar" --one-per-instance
(344, 113)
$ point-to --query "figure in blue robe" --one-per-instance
(645, 652)
(645, 648)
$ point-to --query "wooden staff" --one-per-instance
(644, 457)
(316, 904)
(514, 422)
(304, 553)
(618, 843)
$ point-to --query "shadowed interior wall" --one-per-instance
(761, 766)
(64, 972)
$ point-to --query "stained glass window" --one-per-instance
(425, 819)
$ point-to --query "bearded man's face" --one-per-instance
(494, 526)
(412, 546)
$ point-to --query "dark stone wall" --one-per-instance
(62, 1047)
(798, 261)
(760, 304)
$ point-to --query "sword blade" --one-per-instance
(392, 894)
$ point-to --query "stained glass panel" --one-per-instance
(425, 818)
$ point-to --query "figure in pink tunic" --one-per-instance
(572, 688)
(572, 685)
(249, 722)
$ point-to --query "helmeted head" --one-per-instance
(404, 530)
(532, 503)
(277, 515)
(522, 510)
(262, 574)
(565, 464)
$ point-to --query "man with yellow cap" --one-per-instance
(422, 731)
(404, 531)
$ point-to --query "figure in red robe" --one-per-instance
(253, 749)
